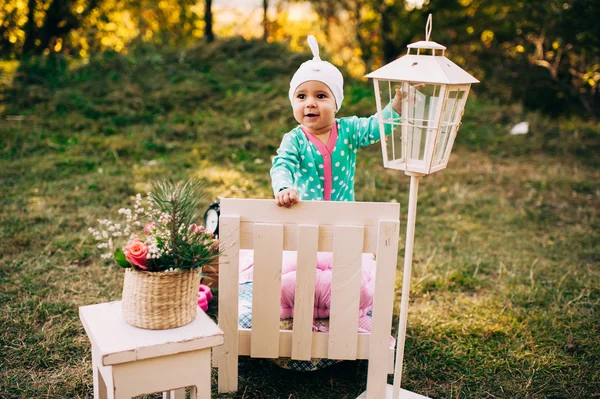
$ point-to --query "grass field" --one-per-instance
(505, 296)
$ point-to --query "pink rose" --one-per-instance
(194, 228)
(149, 227)
(136, 253)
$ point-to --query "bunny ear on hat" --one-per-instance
(314, 47)
(319, 70)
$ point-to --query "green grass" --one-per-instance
(506, 280)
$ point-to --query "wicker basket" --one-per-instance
(160, 300)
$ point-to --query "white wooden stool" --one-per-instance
(129, 361)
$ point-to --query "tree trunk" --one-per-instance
(387, 43)
(58, 22)
(209, 36)
(30, 28)
(265, 20)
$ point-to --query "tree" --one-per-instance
(60, 19)
(265, 20)
(209, 35)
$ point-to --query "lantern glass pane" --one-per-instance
(391, 123)
(455, 104)
(422, 117)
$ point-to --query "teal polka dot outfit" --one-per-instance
(325, 172)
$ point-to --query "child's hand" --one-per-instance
(410, 97)
(287, 197)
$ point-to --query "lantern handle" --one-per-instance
(428, 27)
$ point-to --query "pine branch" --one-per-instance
(181, 203)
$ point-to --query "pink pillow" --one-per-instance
(323, 284)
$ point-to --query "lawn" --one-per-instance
(505, 295)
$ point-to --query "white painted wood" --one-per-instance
(403, 394)
(304, 299)
(345, 292)
(310, 212)
(383, 304)
(175, 394)
(149, 375)
(325, 214)
(290, 242)
(319, 347)
(104, 382)
(118, 342)
(129, 361)
(202, 388)
(348, 230)
(229, 239)
(266, 289)
(408, 255)
(95, 364)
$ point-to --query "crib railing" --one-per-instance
(347, 229)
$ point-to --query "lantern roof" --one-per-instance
(426, 44)
(424, 68)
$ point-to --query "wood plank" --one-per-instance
(404, 394)
(148, 375)
(310, 212)
(305, 291)
(290, 242)
(320, 344)
(118, 342)
(383, 304)
(345, 292)
(229, 237)
(266, 289)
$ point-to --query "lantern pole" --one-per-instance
(408, 256)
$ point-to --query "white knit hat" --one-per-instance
(321, 71)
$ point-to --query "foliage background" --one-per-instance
(543, 54)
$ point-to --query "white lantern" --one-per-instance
(434, 92)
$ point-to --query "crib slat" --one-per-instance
(266, 289)
(290, 242)
(308, 236)
(320, 342)
(345, 291)
(227, 354)
(383, 303)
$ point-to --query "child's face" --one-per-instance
(314, 107)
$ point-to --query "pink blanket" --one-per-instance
(323, 282)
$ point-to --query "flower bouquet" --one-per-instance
(162, 249)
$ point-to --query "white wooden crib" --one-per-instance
(345, 228)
